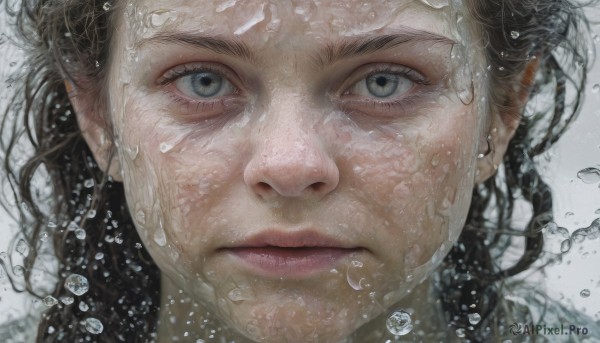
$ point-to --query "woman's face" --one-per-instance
(295, 167)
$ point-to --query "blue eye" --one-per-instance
(382, 85)
(204, 84)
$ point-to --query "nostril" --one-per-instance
(317, 186)
(263, 186)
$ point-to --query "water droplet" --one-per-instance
(596, 88)
(141, 217)
(399, 323)
(94, 326)
(460, 332)
(72, 226)
(569, 215)
(106, 6)
(565, 246)
(589, 175)
(80, 233)
(357, 264)
(44, 236)
(50, 301)
(474, 318)
(119, 239)
(255, 19)
(83, 307)
(225, 5)
(584, 293)
(437, 4)
(67, 300)
(165, 147)
(138, 245)
(18, 270)
(99, 256)
(51, 329)
(514, 34)
(91, 214)
(22, 247)
(159, 237)
(89, 183)
(236, 295)
(77, 284)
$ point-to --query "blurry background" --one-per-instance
(575, 280)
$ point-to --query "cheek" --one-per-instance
(416, 184)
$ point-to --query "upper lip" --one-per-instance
(285, 239)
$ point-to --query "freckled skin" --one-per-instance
(399, 186)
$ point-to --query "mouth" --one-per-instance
(290, 255)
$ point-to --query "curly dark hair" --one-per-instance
(90, 225)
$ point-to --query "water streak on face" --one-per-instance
(331, 124)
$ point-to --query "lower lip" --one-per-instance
(290, 262)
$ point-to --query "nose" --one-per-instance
(290, 161)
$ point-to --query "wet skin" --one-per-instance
(295, 175)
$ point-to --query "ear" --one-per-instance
(504, 123)
(95, 129)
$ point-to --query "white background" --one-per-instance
(575, 204)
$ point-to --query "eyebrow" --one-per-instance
(332, 52)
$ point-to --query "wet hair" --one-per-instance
(87, 219)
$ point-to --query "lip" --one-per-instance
(276, 253)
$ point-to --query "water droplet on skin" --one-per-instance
(132, 152)
(437, 4)
(399, 323)
(584, 293)
(225, 5)
(77, 284)
(589, 175)
(514, 34)
(159, 18)
(94, 326)
(165, 147)
(460, 332)
(355, 280)
(255, 19)
(80, 234)
(237, 295)
(141, 217)
(596, 87)
(50, 301)
(67, 300)
(474, 318)
(160, 238)
(83, 307)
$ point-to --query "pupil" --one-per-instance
(381, 81)
(205, 81)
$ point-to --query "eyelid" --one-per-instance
(182, 70)
(365, 71)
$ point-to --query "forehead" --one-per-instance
(261, 22)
